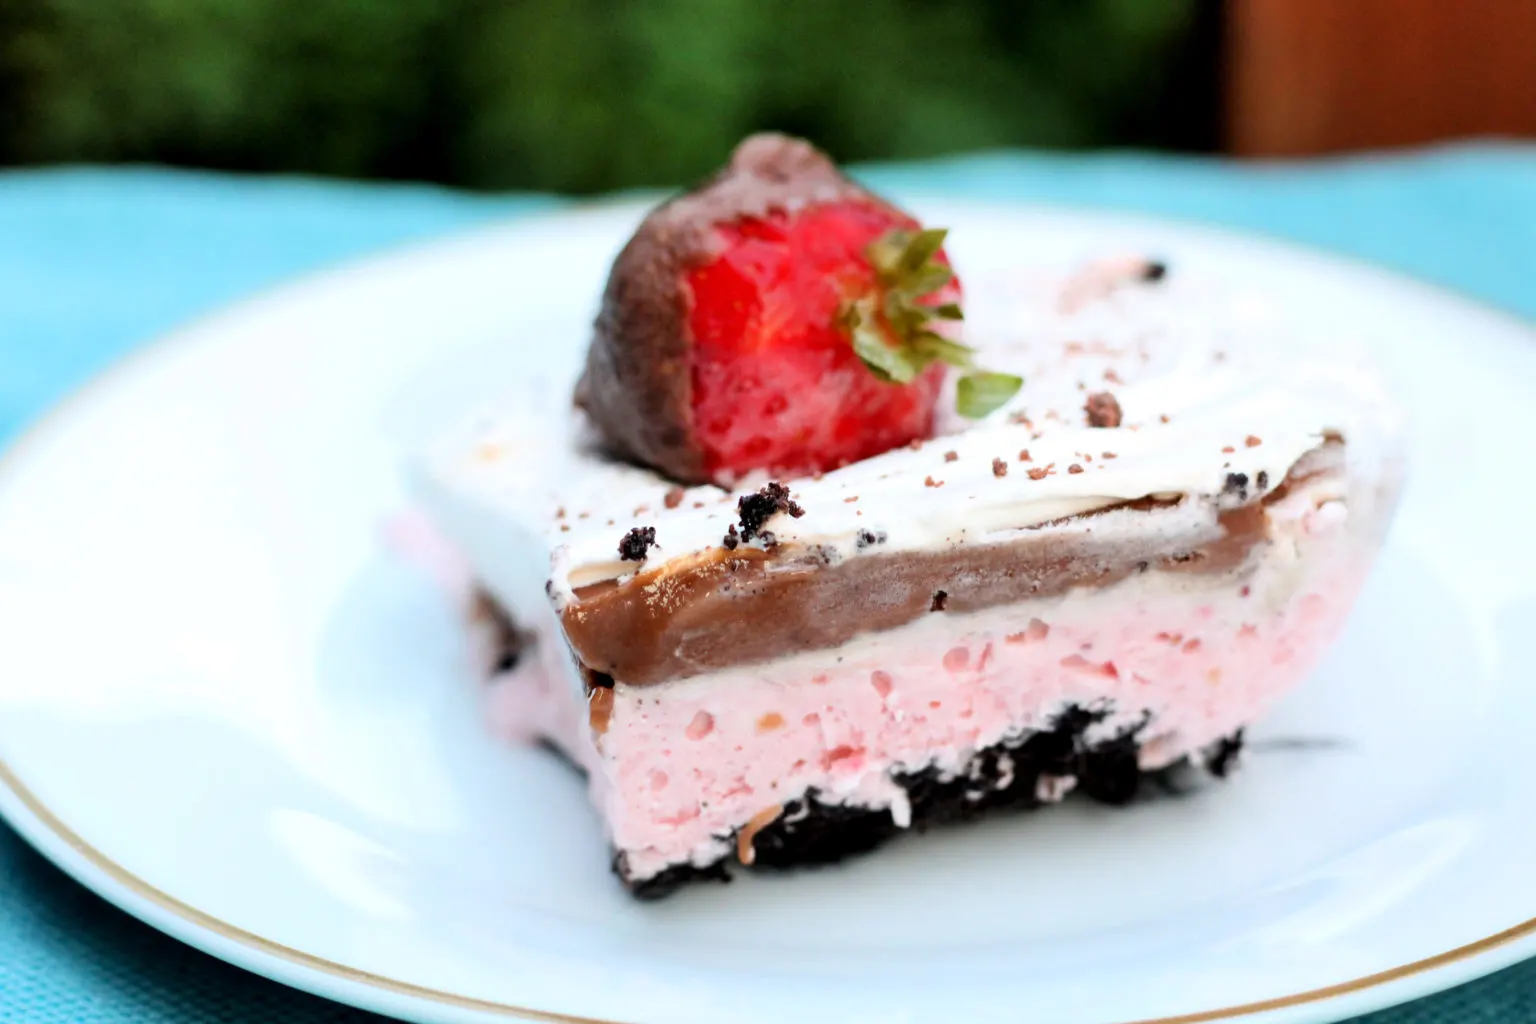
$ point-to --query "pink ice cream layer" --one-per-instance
(682, 766)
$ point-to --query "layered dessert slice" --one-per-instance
(795, 575)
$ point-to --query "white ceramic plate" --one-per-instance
(226, 707)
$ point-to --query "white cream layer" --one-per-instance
(1211, 384)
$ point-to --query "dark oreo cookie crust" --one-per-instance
(1003, 777)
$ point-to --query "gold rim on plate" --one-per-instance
(188, 914)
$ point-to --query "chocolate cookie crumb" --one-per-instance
(1103, 410)
(1221, 760)
(940, 599)
(951, 456)
(757, 509)
(1155, 270)
(674, 497)
(636, 542)
(1038, 473)
(1237, 483)
(999, 468)
(1263, 480)
(869, 538)
(1074, 468)
(1024, 455)
(731, 539)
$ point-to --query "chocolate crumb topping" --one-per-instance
(940, 600)
(999, 468)
(731, 539)
(1038, 473)
(951, 456)
(636, 543)
(869, 538)
(1237, 483)
(1155, 270)
(674, 497)
(1024, 456)
(1074, 468)
(1263, 480)
(756, 509)
(1103, 410)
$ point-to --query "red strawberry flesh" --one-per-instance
(721, 346)
(776, 382)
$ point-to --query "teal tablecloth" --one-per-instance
(93, 262)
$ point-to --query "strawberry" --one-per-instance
(779, 318)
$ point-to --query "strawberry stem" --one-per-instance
(892, 335)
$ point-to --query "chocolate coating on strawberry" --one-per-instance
(638, 384)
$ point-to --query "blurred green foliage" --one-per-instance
(585, 95)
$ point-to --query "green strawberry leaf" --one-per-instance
(935, 346)
(891, 330)
(982, 392)
(921, 248)
(890, 363)
(923, 281)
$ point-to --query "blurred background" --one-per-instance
(590, 95)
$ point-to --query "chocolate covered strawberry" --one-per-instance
(780, 317)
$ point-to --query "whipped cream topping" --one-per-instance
(1219, 400)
